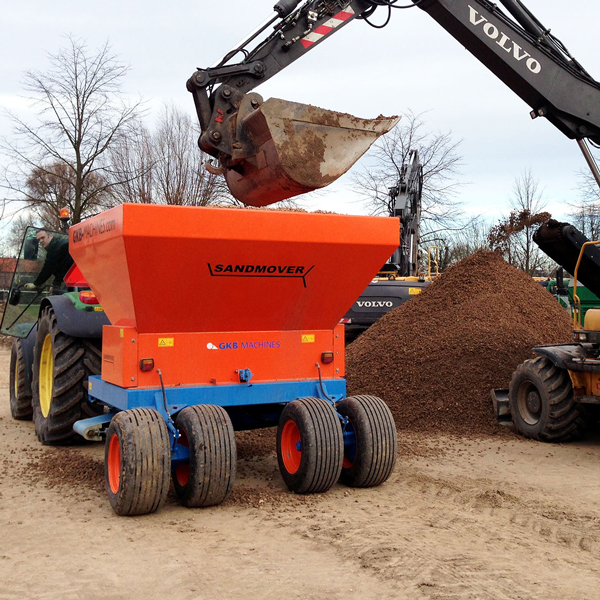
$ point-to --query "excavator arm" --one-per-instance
(245, 134)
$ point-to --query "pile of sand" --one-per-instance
(435, 359)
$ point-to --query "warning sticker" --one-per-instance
(414, 291)
(166, 342)
(308, 338)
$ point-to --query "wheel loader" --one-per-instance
(554, 397)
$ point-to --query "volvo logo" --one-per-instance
(504, 41)
(375, 304)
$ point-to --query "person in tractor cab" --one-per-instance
(58, 260)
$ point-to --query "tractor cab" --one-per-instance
(23, 306)
(25, 298)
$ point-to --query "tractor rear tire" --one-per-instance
(61, 366)
(137, 461)
(20, 393)
(541, 402)
(207, 480)
(310, 446)
(371, 459)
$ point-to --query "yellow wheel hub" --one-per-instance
(17, 378)
(46, 376)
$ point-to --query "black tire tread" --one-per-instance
(377, 441)
(145, 462)
(322, 456)
(213, 455)
(565, 419)
(75, 359)
(21, 408)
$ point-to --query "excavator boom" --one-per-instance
(274, 150)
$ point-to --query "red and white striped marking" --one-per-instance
(322, 30)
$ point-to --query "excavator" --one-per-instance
(400, 278)
(274, 149)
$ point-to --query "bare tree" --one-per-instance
(439, 156)
(53, 187)
(179, 173)
(513, 236)
(81, 113)
(586, 217)
(586, 212)
(457, 244)
(170, 167)
(130, 166)
(11, 241)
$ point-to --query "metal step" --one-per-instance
(501, 409)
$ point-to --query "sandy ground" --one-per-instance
(487, 518)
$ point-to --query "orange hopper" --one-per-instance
(197, 278)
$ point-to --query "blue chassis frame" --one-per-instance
(171, 400)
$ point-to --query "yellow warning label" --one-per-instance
(308, 339)
(166, 342)
(121, 333)
(414, 291)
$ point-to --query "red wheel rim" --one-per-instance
(290, 447)
(114, 464)
(182, 472)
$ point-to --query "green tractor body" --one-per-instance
(57, 341)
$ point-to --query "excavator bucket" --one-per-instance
(297, 148)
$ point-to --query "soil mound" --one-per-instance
(435, 359)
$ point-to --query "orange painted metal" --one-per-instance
(173, 268)
(291, 455)
(217, 358)
(179, 284)
(120, 356)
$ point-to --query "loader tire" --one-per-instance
(61, 366)
(137, 462)
(20, 393)
(370, 453)
(310, 446)
(207, 479)
(541, 402)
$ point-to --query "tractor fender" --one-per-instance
(73, 322)
(569, 356)
(556, 354)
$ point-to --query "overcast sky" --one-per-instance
(412, 64)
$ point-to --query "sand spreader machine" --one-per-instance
(225, 320)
